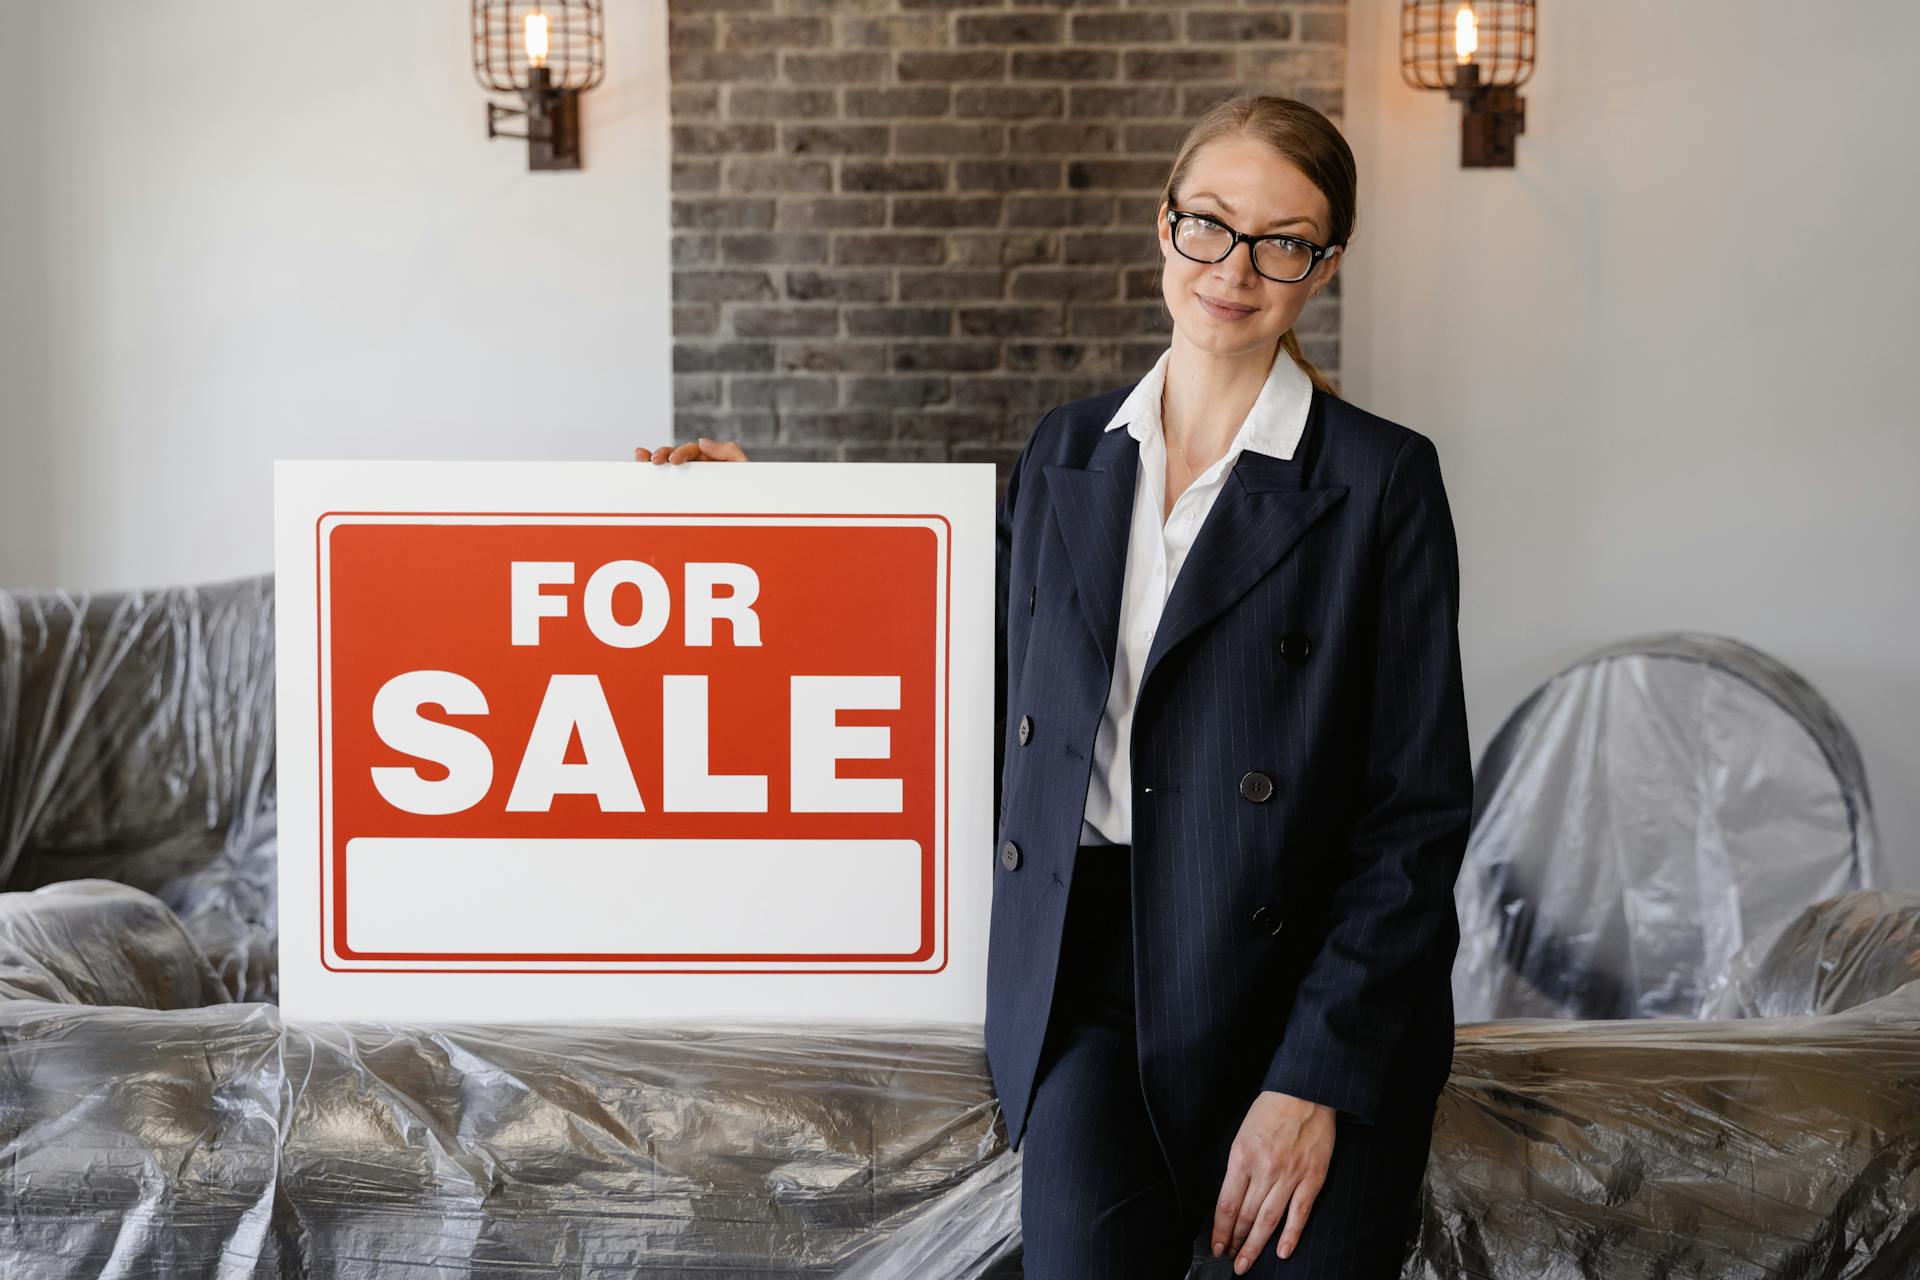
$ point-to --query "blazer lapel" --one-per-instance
(1093, 509)
(1261, 511)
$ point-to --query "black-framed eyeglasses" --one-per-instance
(1282, 259)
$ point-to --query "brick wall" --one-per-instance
(905, 229)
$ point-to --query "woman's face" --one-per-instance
(1244, 184)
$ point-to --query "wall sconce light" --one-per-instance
(1480, 53)
(547, 51)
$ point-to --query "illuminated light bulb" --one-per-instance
(537, 39)
(1466, 34)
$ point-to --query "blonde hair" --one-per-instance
(1305, 138)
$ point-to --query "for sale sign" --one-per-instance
(615, 740)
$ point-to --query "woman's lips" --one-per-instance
(1223, 311)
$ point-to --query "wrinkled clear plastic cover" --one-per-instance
(160, 1119)
(1643, 816)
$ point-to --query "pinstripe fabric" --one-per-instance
(1350, 543)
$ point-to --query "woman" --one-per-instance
(1228, 606)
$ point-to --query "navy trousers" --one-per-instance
(1097, 1199)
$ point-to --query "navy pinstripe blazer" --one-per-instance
(1296, 936)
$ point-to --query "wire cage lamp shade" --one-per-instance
(549, 52)
(1479, 52)
(507, 39)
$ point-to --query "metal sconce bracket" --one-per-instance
(1495, 115)
(553, 122)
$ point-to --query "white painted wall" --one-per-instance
(1669, 358)
(234, 232)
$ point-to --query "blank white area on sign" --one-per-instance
(631, 896)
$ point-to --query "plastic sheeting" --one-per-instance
(1769, 1148)
(1640, 818)
(151, 1136)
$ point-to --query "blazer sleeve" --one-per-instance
(1392, 917)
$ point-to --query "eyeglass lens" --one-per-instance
(1208, 241)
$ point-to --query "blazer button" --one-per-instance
(1010, 856)
(1026, 729)
(1266, 920)
(1256, 786)
(1293, 647)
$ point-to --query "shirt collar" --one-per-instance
(1273, 426)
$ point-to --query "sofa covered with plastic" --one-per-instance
(160, 1118)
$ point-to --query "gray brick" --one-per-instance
(721, 286)
(1059, 285)
(1112, 248)
(743, 425)
(832, 357)
(1106, 102)
(868, 250)
(1006, 102)
(1074, 138)
(776, 173)
(918, 138)
(899, 102)
(690, 65)
(1007, 175)
(774, 248)
(723, 357)
(832, 212)
(1116, 321)
(1233, 27)
(694, 102)
(695, 250)
(781, 391)
(1008, 28)
(834, 139)
(1125, 28)
(945, 357)
(945, 211)
(839, 286)
(1312, 64)
(893, 175)
(760, 102)
(898, 322)
(1116, 175)
(695, 319)
(695, 175)
(953, 285)
(895, 452)
(1005, 249)
(722, 213)
(892, 30)
(753, 33)
(896, 392)
(1154, 137)
(722, 139)
(696, 391)
(691, 35)
(1009, 321)
(969, 64)
(838, 425)
(1005, 392)
(857, 67)
(1179, 64)
(785, 322)
(1059, 211)
(1064, 64)
(679, 8)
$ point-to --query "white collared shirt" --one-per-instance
(1155, 552)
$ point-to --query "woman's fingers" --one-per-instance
(1226, 1211)
(1272, 1205)
(1303, 1196)
(701, 450)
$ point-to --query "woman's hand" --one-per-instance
(701, 450)
(1278, 1163)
